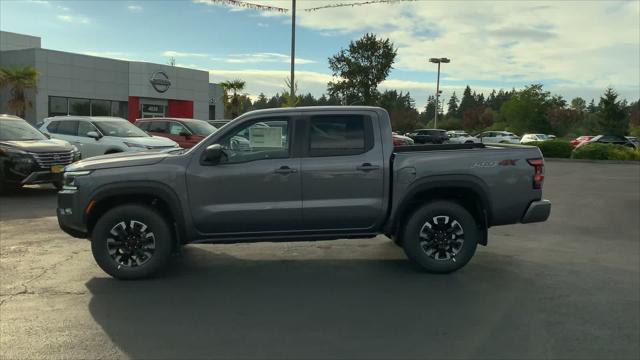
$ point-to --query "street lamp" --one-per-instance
(438, 61)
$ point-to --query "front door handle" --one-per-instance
(367, 167)
(284, 170)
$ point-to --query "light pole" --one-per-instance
(438, 61)
(293, 51)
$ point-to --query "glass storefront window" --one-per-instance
(58, 106)
(79, 107)
(100, 108)
(120, 109)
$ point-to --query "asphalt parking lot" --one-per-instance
(567, 288)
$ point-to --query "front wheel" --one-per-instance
(131, 242)
(441, 237)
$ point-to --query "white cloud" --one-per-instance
(171, 53)
(263, 25)
(263, 58)
(134, 8)
(73, 19)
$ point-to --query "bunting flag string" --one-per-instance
(249, 5)
(353, 4)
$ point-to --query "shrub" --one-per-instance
(554, 148)
(606, 152)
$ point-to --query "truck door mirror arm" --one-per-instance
(213, 155)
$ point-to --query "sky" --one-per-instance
(573, 48)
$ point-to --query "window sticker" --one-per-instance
(265, 137)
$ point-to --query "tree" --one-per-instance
(232, 102)
(401, 109)
(579, 104)
(172, 61)
(452, 109)
(19, 79)
(592, 108)
(613, 119)
(360, 69)
(527, 110)
(261, 102)
(467, 102)
(429, 110)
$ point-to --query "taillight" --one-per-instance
(538, 175)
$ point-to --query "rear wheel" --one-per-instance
(131, 242)
(440, 237)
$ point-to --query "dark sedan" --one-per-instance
(429, 136)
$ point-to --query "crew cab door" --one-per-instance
(342, 172)
(257, 188)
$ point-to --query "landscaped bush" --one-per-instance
(554, 148)
(606, 152)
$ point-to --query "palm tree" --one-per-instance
(234, 86)
(19, 79)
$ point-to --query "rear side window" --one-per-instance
(144, 125)
(337, 135)
(158, 127)
(68, 127)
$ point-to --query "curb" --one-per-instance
(624, 162)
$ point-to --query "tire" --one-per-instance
(459, 231)
(120, 232)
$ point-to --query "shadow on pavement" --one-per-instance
(216, 306)
(28, 202)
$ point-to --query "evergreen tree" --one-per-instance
(261, 102)
(467, 101)
(592, 108)
(612, 114)
(578, 104)
(452, 109)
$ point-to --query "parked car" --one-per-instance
(428, 136)
(333, 176)
(461, 137)
(579, 140)
(634, 140)
(401, 140)
(186, 132)
(551, 137)
(609, 139)
(498, 137)
(27, 156)
(527, 138)
(97, 135)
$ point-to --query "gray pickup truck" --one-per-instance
(300, 174)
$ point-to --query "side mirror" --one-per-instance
(213, 154)
(94, 135)
(185, 134)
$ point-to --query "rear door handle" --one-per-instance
(284, 170)
(367, 167)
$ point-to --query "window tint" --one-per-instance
(267, 139)
(84, 127)
(158, 127)
(335, 135)
(176, 128)
(68, 127)
(53, 127)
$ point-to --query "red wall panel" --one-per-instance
(180, 109)
(134, 108)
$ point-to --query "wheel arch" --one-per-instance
(154, 194)
(468, 191)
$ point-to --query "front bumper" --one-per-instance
(537, 211)
(70, 215)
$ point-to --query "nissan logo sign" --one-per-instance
(160, 81)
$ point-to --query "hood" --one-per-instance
(119, 160)
(152, 141)
(38, 146)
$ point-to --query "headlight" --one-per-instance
(134, 145)
(75, 152)
(69, 181)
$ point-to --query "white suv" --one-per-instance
(97, 135)
(498, 137)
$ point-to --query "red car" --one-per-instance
(186, 132)
(577, 141)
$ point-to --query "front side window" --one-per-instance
(158, 127)
(201, 128)
(336, 135)
(176, 129)
(85, 127)
(119, 128)
(68, 127)
(144, 125)
(268, 139)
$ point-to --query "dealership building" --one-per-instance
(77, 84)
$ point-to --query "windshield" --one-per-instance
(19, 130)
(119, 128)
(201, 128)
